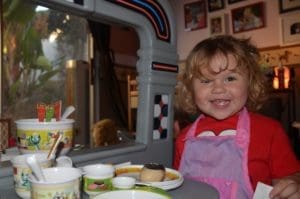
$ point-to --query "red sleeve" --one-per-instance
(179, 146)
(284, 161)
(271, 155)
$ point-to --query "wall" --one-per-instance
(272, 31)
(268, 39)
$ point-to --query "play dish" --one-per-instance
(173, 178)
(134, 194)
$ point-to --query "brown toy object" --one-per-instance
(104, 132)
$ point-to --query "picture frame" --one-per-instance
(271, 54)
(214, 5)
(290, 26)
(195, 15)
(248, 18)
(5, 125)
(218, 25)
(288, 5)
(233, 1)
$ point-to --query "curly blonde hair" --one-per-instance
(247, 57)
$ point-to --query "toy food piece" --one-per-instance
(152, 172)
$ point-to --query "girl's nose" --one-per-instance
(218, 87)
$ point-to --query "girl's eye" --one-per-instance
(204, 81)
(230, 79)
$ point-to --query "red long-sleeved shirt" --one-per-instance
(270, 153)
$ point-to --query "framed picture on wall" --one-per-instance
(290, 29)
(233, 1)
(195, 15)
(288, 5)
(247, 18)
(214, 5)
(217, 25)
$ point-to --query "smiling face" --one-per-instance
(222, 90)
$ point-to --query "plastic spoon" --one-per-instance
(68, 111)
(35, 167)
(54, 146)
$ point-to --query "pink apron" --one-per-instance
(221, 161)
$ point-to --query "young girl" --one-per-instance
(229, 146)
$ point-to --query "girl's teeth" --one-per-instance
(220, 102)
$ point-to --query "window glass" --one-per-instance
(37, 43)
(40, 48)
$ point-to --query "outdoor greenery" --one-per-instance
(29, 75)
(25, 68)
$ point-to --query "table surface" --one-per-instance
(192, 189)
(189, 189)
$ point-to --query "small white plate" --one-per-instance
(173, 178)
(132, 194)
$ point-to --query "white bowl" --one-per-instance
(22, 171)
(103, 170)
(60, 182)
(35, 137)
(123, 182)
(132, 194)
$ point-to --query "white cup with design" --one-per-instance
(21, 171)
(60, 182)
(97, 178)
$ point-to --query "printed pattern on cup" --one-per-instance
(63, 190)
(42, 139)
(21, 173)
(97, 185)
